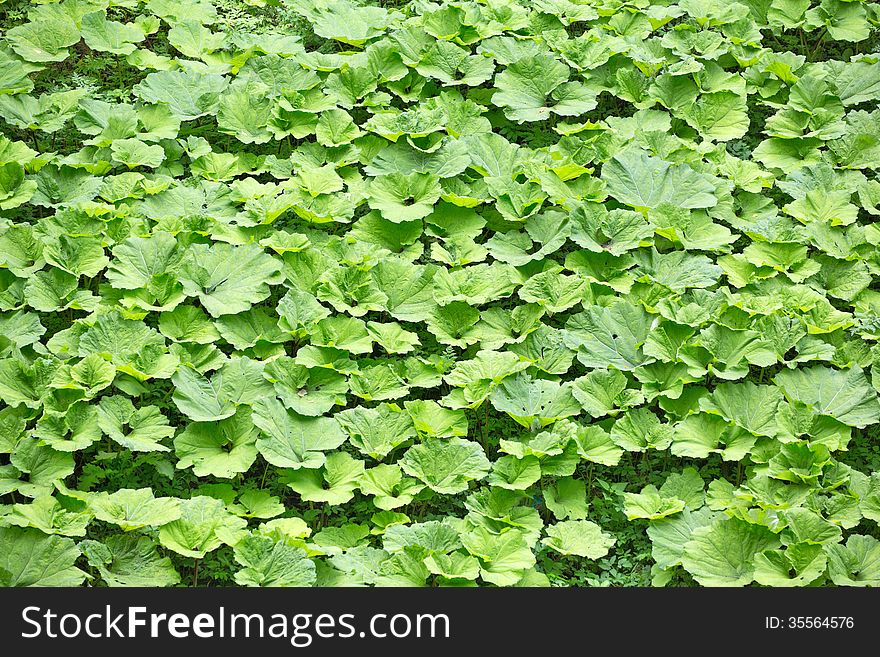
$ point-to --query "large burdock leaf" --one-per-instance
(346, 22)
(199, 398)
(855, 564)
(580, 538)
(610, 335)
(267, 562)
(137, 429)
(34, 468)
(50, 517)
(133, 347)
(553, 291)
(80, 256)
(446, 466)
(454, 324)
(390, 488)
(513, 473)
(797, 565)
(613, 232)
(434, 536)
(291, 440)
(503, 557)
(14, 189)
(677, 270)
(130, 560)
(721, 116)
(642, 181)
(188, 94)
(750, 406)
(845, 395)
(640, 430)
(336, 128)
(534, 87)
(650, 504)
(244, 112)
(334, 483)
(376, 431)
(239, 381)
(220, 449)
(431, 419)
(567, 499)
(228, 279)
(869, 504)
(605, 392)
(799, 462)
(30, 558)
(110, 36)
(527, 400)
(149, 264)
(308, 391)
(404, 197)
(134, 153)
(722, 554)
(453, 65)
(72, 430)
(133, 508)
(668, 535)
(44, 40)
(203, 526)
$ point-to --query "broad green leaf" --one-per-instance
(222, 448)
(203, 526)
(290, 440)
(33, 559)
(580, 538)
(721, 554)
(129, 560)
(446, 466)
(267, 562)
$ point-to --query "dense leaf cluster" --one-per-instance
(367, 302)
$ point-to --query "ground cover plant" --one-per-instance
(549, 292)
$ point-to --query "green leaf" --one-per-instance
(228, 279)
(129, 560)
(670, 534)
(44, 40)
(855, 564)
(138, 430)
(446, 466)
(844, 395)
(290, 440)
(203, 526)
(529, 400)
(721, 554)
(334, 483)
(220, 449)
(515, 474)
(33, 559)
(797, 565)
(642, 181)
(403, 197)
(134, 153)
(267, 562)
(503, 558)
(534, 87)
(651, 504)
(188, 94)
(580, 538)
(110, 36)
(134, 508)
(567, 498)
(609, 336)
